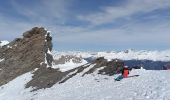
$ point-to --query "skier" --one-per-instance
(125, 72)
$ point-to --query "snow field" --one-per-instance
(149, 85)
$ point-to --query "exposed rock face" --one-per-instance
(25, 54)
(107, 67)
(47, 77)
(33, 51)
(101, 65)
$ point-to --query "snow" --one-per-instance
(48, 32)
(2, 43)
(9, 47)
(68, 65)
(15, 90)
(124, 55)
(144, 87)
(46, 61)
(57, 54)
(1, 60)
(49, 52)
(88, 68)
(149, 85)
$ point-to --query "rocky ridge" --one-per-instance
(32, 53)
(25, 54)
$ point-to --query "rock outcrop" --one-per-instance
(33, 51)
(100, 66)
(107, 67)
(25, 54)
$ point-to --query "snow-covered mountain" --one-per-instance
(124, 55)
(30, 71)
(147, 59)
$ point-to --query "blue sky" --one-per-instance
(91, 25)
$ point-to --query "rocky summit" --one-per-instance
(25, 54)
(32, 53)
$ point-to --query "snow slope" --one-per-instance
(15, 90)
(149, 85)
(69, 65)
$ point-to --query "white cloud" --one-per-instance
(109, 14)
(133, 34)
(44, 11)
(57, 8)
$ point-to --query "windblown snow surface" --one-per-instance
(149, 85)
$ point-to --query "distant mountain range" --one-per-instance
(150, 60)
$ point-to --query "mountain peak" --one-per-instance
(25, 54)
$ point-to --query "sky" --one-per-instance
(91, 25)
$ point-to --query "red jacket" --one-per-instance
(125, 72)
(166, 68)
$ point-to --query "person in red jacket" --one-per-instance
(125, 72)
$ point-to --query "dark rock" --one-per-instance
(33, 51)
(100, 64)
(106, 67)
(49, 58)
(49, 43)
(24, 54)
(146, 64)
(45, 78)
